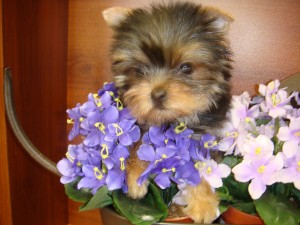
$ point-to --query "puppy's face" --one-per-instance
(171, 62)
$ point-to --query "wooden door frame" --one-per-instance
(5, 206)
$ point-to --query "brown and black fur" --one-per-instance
(172, 64)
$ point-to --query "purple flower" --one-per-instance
(116, 176)
(261, 173)
(110, 88)
(97, 123)
(75, 118)
(187, 173)
(70, 170)
(165, 171)
(153, 156)
(126, 132)
(101, 101)
(93, 178)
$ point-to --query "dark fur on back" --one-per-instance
(171, 62)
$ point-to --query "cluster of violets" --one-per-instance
(264, 132)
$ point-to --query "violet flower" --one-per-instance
(93, 178)
(116, 176)
(126, 132)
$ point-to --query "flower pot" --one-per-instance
(110, 217)
(235, 216)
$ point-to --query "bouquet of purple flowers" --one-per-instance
(260, 143)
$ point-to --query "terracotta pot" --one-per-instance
(110, 217)
(235, 216)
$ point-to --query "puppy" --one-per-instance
(172, 64)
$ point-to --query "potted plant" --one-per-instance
(259, 172)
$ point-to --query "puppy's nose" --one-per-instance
(158, 95)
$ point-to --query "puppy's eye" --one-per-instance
(186, 68)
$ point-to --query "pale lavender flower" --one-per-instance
(257, 148)
(260, 173)
(270, 89)
(212, 172)
(240, 111)
(276, 100)
(291, 174)
(291, 135)
(233, 138)
(181, 196)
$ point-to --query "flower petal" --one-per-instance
(256, 188)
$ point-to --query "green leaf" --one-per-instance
(145, 211)
(238, 190)
(77, 195)
(230, 161)
(99, 200)
(223, 206)
(168, 193)
(277, 210)
(247, 207)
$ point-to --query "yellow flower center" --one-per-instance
(100, 126)
(119, 104)
(298, 166)
(258, 150)
(104, 151)
(210, 144)
(97, 100)
(275, 100)
(209, 170)
(119, 130)
(164, 170)
(232, 134)
(163, 156)
(247, 120)
(297, 134)
(199, 165)
(122, 164)
(70, 121)
(97, 173)
(180, 128)
(261, 169)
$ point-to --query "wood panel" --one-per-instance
(5, 206)
(35, 47)
(265, 38)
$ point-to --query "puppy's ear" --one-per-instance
(113, 16)
(222, 21)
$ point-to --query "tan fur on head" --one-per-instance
(179, 102)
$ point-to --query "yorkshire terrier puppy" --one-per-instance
(172, 64)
